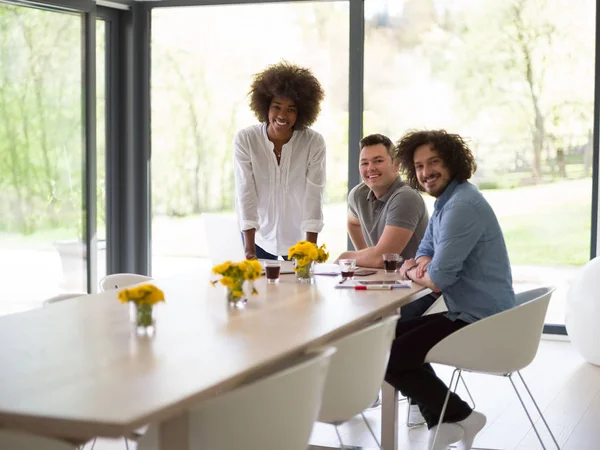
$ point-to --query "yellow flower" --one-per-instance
(143, 294)
(234, 274)
(256, 265)
(227, 281)
(304, 252)
(221, 268)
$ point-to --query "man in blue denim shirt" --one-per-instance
(463, 255)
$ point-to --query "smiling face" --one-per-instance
(282, 117)
(377, 169)
(432, 173)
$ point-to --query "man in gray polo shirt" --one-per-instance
(385, 215)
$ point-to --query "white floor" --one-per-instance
(564, 385)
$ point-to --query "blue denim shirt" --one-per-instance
(469, 258)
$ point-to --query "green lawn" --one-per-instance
(546, 224)
(560, 237)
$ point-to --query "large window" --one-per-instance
(40, 155)
(42, 174)
(516, 78)
(203, 59)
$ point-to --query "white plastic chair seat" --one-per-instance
(501, 344)
(357, 370)
(16, 440)
(121, 280)
(61, 297)
(356, 373)
(272, 413)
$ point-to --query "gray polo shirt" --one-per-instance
(401, 206)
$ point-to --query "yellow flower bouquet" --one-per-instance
(305, 253)
(142, 299)
(233, 277)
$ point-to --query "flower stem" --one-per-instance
(143, 314)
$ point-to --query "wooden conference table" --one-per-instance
(74, 369)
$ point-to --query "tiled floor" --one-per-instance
(566, 388)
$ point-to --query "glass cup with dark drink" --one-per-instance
(391, 262)
(347, 268)
(272, 269)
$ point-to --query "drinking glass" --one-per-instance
(391, 262)
(272, 270)
(347, 268)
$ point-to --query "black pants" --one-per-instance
(407, 372)
(418, 307)
(263, 254)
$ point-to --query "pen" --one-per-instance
(375, 288)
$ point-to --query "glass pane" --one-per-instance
(41, 253)
(517, 79)
(201, 73)
(101, 54)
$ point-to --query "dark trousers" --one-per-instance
(407, 372)
(263, 254)
(418, 307)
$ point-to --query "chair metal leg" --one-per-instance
(371, 430)
(339, 437)
(536, 407)
(93, 444)
(126, 443)
(445, 406)
(461, 378)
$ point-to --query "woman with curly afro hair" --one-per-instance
(279, 163)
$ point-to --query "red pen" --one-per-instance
(374, 288)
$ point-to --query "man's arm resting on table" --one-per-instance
(393, 240)
(425, 280)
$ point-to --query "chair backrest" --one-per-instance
(272, 413)
(356, 371)
(224, 238)
(502, 343)
(16, 440)
(121, 280)
(61, 297)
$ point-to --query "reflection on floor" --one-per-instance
(566, 388)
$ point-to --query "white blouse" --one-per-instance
(282, 202)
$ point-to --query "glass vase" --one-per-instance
(305, 273)
(236, 297)
(142, 318)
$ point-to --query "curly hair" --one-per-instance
(451, 148)
(290, 81)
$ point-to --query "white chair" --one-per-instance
(17, 440)
(61, 297)
(120, 280)
(356, 373)
(272, 413)
(501, 344)
(67, 296)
